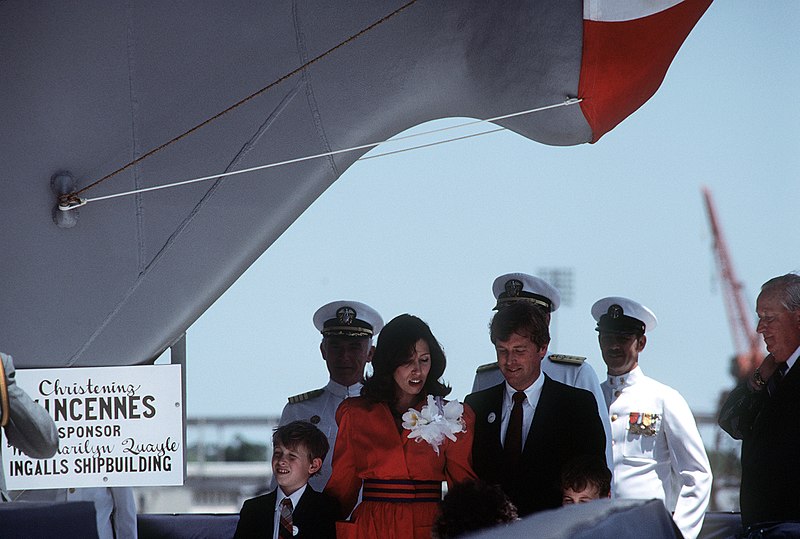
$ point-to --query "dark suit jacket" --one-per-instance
(769, 428)
(315, 516)
(565, 424)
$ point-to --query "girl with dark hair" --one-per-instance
(400, 439)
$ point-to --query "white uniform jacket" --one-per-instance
(30, 429)
(580, 375)
(658, 452)
(319, 407)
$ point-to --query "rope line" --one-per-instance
(428, 145)
(72, 197)
(572, 101)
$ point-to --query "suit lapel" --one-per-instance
(791, 379)
(307, 512)
(777, 404)
(305, 507)
(494, 416)
(272, 499)
(541, 415)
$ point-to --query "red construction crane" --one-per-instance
(748, 348)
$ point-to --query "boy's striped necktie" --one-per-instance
(285, 531)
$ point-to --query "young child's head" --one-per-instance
(585, 478)
(298, 451)
(470, 506)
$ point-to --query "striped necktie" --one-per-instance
(285, 531)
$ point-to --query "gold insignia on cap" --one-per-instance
(513, 287)
(345, 315)
(615, 311)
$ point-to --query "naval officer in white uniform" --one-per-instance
(570, 370)
(658, 452)
(347, 329)
(27, 425)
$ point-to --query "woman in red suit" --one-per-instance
(400, 439)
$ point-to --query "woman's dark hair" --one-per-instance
(395, 346)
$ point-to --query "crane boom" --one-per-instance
(748, 350)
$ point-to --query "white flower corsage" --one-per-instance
(435, 421)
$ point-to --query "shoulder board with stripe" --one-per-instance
(306, 396)
(488, 367)
(569, 360)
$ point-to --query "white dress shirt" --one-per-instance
(532, 394)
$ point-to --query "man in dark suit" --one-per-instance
(294, 509)
(764, 412)
(529, 426)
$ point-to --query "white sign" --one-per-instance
(117, 426)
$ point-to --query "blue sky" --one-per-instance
(436, 226)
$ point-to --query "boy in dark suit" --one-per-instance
(529, 426)
(293, 509)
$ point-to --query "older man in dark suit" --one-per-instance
(529, 426)
(764, 412)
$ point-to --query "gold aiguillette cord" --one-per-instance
(3, 395)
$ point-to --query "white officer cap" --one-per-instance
(615, 314)
(348, 318)
(513, 287)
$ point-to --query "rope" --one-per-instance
(71, 198)
(402, 150)
(74, 203)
